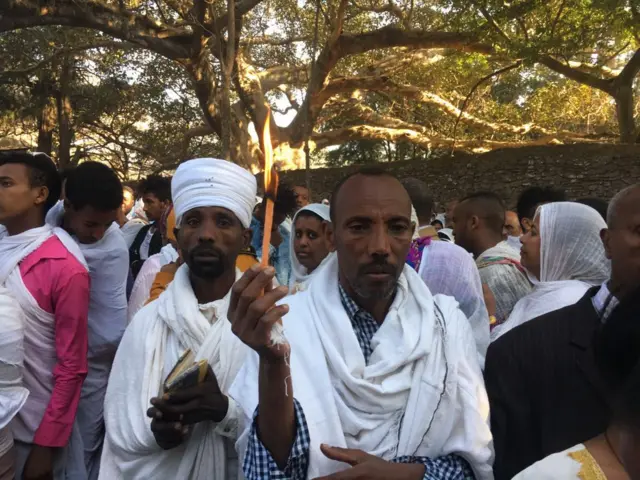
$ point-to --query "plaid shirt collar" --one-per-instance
(604, 302)
(363, 323)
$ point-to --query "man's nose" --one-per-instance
(379, 241)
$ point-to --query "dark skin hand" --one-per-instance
(175, 412)
(369, 467)
(39, 465)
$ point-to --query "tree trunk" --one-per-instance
(625, 114)
(65, 114)
(46, 115)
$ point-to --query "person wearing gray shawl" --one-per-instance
(479, 220)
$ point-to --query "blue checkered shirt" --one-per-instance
(258, 463)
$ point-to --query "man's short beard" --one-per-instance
(369, 294)
(206, 270)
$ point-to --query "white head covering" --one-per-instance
(450, 270)
(209, 182)
(572, 259)
(299, 276)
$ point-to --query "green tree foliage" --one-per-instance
(391, 79)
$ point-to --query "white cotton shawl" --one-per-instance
(15, 248)
(152, 344)
(206, 182)
(13, 395)
(572, 259)
(299, 276)
(449, 270)
(141, 290)
(421, 393)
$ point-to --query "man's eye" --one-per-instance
(357, 227)
(224, 222)
(192, 222)
(398, 228)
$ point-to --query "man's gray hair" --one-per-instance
(614, 204)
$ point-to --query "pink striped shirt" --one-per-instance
(60, 286)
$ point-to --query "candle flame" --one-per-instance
(270, 173)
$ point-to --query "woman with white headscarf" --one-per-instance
(564, 257)
(309, 249)
(449, 270)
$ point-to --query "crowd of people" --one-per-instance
(143, 336)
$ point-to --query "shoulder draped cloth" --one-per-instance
(421, 393)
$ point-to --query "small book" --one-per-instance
(186, 373)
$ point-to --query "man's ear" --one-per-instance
(605, 236)
(247, 235)
(42, 196)
(474, 222)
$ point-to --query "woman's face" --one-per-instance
(530, 251)
(309, 243)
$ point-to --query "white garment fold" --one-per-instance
(13, 395)
(421, 393)
(144, 281)
(572, 259)
(151, 346)
(299, 277)
(108, 262)
(449, 270)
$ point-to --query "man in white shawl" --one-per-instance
(45, 271)
(189, 433)
(479, 221)
(93, 200)
(309, 247)
(382, 380)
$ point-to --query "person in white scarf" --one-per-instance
(93, 200)
(382, 380)
(448, 269)
(309, 250)
(190, 433)
(12, 394)
(564, 257)
(46, 273)
(141, 291)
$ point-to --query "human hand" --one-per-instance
(253, 313)
(39, 465)
(168, 434)
(369, 467)
(193, 405)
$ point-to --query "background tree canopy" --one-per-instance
(144, 84)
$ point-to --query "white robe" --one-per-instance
(39, 350)
(151, 346)
(421, 394)
(108, 262)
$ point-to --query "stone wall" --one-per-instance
(584, 170)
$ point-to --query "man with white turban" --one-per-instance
(188, 433)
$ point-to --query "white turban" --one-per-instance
(209, 182)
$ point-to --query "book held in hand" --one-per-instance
(186, 373)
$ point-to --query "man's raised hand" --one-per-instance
(253, 311)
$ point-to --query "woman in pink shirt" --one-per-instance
(45, 271)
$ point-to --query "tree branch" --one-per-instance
(351, 44)
(61, 52)
(630, 70)
(166, 40)
(577, 75)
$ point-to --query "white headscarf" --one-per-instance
(209, 182)
(449, 270)
(299, 276)
(572, 259)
